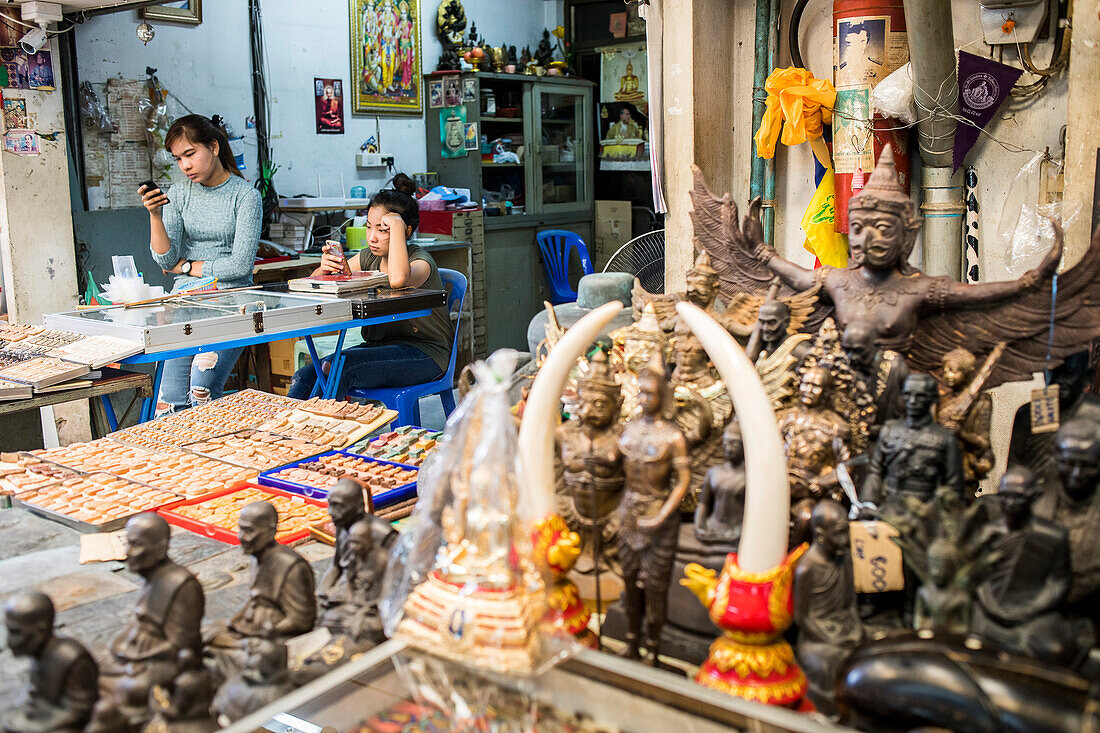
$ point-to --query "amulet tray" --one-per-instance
(215, 515)
(277, 477)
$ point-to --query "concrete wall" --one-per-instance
(207, 67)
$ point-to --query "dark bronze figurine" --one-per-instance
(592, 480)
(347, 507)
(700, 288)
(356, 616)
(262, 680)
(825, 603)
(184, 705)
(920, 316)
(942, 604)
(913, 456)
(281, 602)
(702, 407)
(815, 438)
(1070, 500)
(1018, 594)
(657, 478)
(722, 499)
(167, 621)
(63, 676)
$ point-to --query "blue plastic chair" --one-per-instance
(557, 246)
(406, 400)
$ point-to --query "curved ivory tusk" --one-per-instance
(540, 415)
(764, 528)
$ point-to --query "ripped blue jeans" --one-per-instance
(194, 380)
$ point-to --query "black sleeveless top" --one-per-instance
(433, 334)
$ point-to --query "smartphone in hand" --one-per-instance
(336, 250)
(151, 185)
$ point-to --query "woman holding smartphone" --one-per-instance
(403, 352)
(207, 226)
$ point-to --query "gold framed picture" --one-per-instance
(176, 11)
(385, 56)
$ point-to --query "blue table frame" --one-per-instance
(326, 385)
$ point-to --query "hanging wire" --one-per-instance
(939, 112)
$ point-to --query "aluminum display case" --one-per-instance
(204, 318)
(610, 691)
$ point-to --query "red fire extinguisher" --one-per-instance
(869, 43)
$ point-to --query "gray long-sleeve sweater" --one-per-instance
(219, 225)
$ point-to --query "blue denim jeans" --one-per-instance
(367, 367)
(193, 380)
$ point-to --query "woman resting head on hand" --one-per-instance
(392, 217)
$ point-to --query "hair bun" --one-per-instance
(404, 184)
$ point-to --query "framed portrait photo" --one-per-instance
(385, 56)
(176, 11)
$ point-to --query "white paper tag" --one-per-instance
(1044, 409)
(876, 559)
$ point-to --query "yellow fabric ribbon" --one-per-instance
(828, 245)
(798, 108)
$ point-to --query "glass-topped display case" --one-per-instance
(394, 688)
(203, 318)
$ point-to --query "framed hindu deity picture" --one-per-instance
(176, 11)
(385, 56)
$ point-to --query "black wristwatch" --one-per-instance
(186, 269)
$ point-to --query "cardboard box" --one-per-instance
(613, 229)
(280, 383)
(282, 357)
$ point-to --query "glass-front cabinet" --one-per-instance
(395, 689)
(561, 179)
(528, 149)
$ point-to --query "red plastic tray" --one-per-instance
(222, 534)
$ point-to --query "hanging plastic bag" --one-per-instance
(463, 580)
(893, 96)
(92, 112)
(1025, 231)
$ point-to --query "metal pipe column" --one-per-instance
(936, 93)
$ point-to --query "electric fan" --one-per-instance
(643, 257)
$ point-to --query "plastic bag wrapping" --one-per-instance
(452, 697)
(157, 122)
(893, 96)
(463, 580)
(1025, 231)
(93, 113)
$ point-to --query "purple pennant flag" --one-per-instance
(984, 85)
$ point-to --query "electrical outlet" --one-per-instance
(369, 160)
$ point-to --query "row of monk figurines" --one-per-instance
(154, 674)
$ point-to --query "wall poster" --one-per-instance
(385, 56)
(624, 109)
(329, 106)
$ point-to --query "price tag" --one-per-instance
(1044, 409)
(876, 559)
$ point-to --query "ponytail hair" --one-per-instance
(400, 200)
(204, 131)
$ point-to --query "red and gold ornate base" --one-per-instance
(751, 659)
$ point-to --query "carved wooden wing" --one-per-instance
(1024, 324)
(730, 241)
